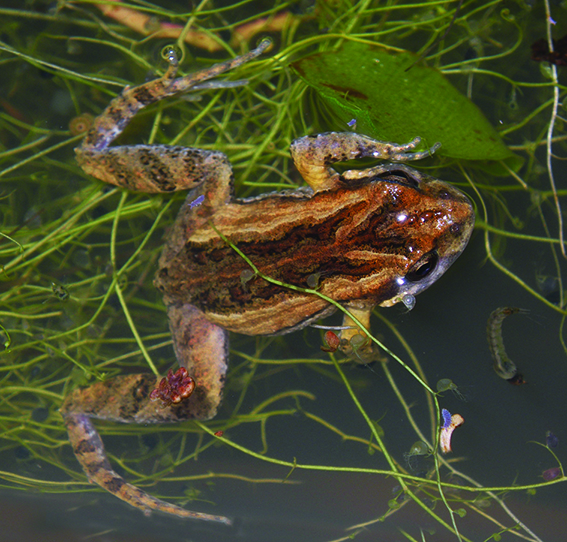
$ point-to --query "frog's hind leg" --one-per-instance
(89, 450)
(125, 399)
(201, 347)
(150, 168)
(155, 168)
(124, 107)
(313, 155)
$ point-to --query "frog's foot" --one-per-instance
(313, 155)
(395, 173)
(354, 343)
(201, 349)
(123, 108)
(89, 449)
(128, 399)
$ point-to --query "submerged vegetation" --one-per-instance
(77, 257)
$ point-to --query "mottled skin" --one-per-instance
(371, 236)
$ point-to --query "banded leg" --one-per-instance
(110, 124)
(89, 450)
(156, 168)
(313, 155)
(150, 168)
(202, 348)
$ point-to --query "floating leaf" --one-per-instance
(461, 512)
(370, 84)
(393, 504)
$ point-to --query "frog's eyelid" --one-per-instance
(401, 177)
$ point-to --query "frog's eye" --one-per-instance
(402, 177)
(424, 267)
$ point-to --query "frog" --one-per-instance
(371, 235)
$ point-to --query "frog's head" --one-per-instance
(435, 220)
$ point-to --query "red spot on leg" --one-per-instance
(173, 388)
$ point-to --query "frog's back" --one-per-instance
(347, 242)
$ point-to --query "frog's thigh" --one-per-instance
(202, 348)
(156, 168)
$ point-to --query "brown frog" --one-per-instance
(372, 236)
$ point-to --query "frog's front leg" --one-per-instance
(313, 156)
(154, 168)
(202, 348)
(354, 342)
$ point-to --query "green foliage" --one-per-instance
(393, 97)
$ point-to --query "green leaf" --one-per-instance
(379, 428)
(393, 504)
(370, 84)
(461, 512)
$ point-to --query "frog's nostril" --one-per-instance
(455, 229)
